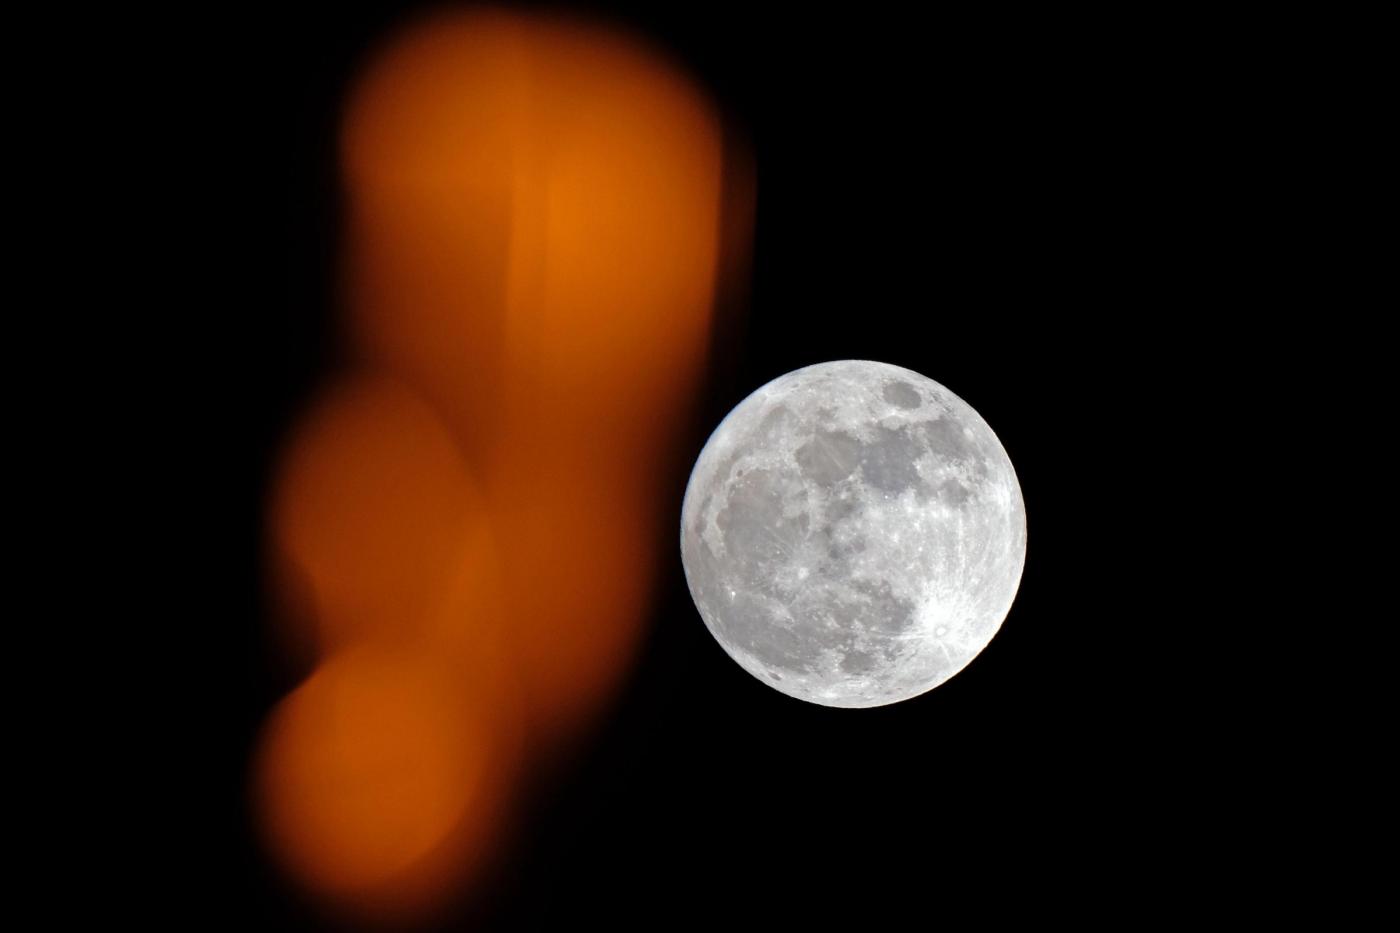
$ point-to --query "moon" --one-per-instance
(853, 534)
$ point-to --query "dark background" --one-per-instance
(999, 204)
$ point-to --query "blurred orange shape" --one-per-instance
(376, 517)
(533, 243)
(534, 215)
(432, 141)
(470, 537)
(615, 247)
(377, 783)
(579, 591)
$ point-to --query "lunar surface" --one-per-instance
(853, 534)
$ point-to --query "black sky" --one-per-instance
(997, 203)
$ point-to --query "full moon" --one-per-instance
(853, 534)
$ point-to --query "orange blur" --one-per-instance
(465, 526)
(376, 515)
(536, 252)
(378, 784)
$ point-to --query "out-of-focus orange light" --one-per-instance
(579, 601)
(377, 516)
(378, 782)
(534, 236)
(468, 525)
(534, 225)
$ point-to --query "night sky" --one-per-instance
(997, 204)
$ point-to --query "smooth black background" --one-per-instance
(997, 204)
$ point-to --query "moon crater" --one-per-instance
(853, 534)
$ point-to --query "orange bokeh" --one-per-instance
(534, 228)
(466, 529)
(378, 526)
(379, 782)
(534, 235)
(579, 590)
